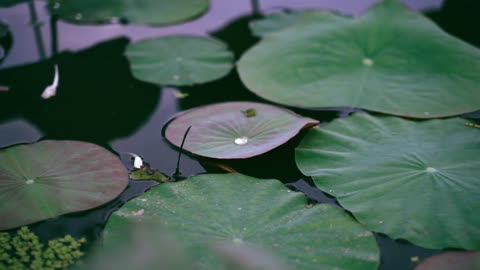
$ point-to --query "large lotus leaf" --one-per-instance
(241, 209)
(411, 180)
(235, 129)
(146, 245)
(179, 60)
(452, 261)
(390, 60)
(51, 178)
(155, 12)
(276, 21)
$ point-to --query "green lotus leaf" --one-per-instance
(156, 12)
(147, 173)
(137, 246)
(390, 60)
(51, 178)
(455, 260)
(239, 209)
(410, 180)
(179, 60)
(276, 21)
(158, 249)
(234, 130)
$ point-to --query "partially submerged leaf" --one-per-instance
(179, 60)
(390, 60)
(51, 178)
(146, 173)
(237, 209)
(409, 180)
(222, 130)
(157, 12)
(459, 260)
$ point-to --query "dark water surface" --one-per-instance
(99, 101)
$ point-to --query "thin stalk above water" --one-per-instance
(36, 29)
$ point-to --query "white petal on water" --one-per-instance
(51, 90)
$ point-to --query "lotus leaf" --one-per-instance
(264, 213)
(275, 22)
(459, 260)
(390, 60)
(231, 130)
(179, 60)
(157, 12)
(410, 180)
(51, 178)
(158, 249)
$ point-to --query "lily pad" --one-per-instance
(158, 249)
(264, 213)
(51, 178)
(275, 22)
(458, 260)
(157, 12)
(147, 173)
(229, 131)
(409, 180)
(179, 60)
(390, 60)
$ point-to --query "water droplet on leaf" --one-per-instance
(367, 62)
(241, 140)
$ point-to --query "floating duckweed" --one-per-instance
(24, 251)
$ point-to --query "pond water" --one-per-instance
(99, 100)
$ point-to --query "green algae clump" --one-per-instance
(23, 250)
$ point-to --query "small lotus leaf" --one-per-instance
(243, 210)
(459, 260)
(234, 130)
(179, 60)
(410, 180)
(390, 60)
(156, 12)
(51, 178)
(147, 173)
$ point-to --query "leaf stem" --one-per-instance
(54, 34)
(177, 169)
(36, 29)
(255, 7)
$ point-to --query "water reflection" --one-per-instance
(97, 100)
